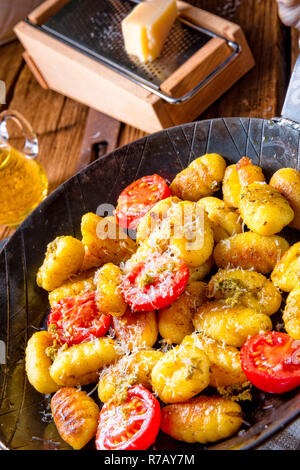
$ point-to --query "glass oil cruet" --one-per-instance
(23, 181)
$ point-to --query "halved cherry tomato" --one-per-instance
(76, 319)
(130, 425)
(155, 283)
(271, 361)
(138, 198)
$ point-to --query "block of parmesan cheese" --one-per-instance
(146, 28)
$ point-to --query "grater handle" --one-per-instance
(291, 107)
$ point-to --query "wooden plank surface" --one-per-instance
(59, 121)
(261, 92)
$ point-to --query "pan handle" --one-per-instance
(291, 107)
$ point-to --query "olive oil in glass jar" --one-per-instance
(23, 181)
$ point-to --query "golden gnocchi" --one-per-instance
(81, 363)
(287, 182)
(129, 370)
(105, 240)
(225, 221)
(231, 325)
(136, 329)
(201, 178)
(202, 419)
(264, 209)
(192, 237)
(198, 273)
(63, 259)
(108, 292)
(248, 288)
(286, 273)
(225, 363)
(175, 321)
(75, 415)
(77, 285)
(38, 363)
(238, 176)
(153, 220)
(249, 250)
(291, 313)
(180, 374)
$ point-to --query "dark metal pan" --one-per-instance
(25, 421)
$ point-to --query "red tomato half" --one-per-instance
(130, 425)
(138, 198)
(155, 283)
(271, 361)
(77, 319)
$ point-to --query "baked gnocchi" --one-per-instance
(192, 237)
(136, 329)
(134, 319)
(200, 272)
(38, 363)
(248, 288)
(286, 273)
(225, 221)
(105, 240)
(108, 290)
(75, 415)
(225, 362)
(175, 321)
(264, 210)
(237, 177)
(78, 284)
(231, 325)
(201, 178)
(81, 363)
(63, 259)
(202, 419)
(291, 313)
(287, 182)
(154, 219)
(181, 373)
(115, 381)
(249, 250)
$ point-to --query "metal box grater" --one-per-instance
(202, 57)
(95, 29)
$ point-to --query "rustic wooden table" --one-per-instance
(60, 121)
